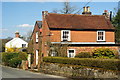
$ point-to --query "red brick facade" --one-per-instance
(51, 32)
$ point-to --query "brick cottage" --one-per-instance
(84, 32)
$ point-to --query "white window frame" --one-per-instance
(36, 56)
(36, 36)
(103, 35)
(69, 35)
(73, 53)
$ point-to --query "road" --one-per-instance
(9, 73)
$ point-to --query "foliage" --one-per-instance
(22, 55)
(110, 64)
(116, 23)
(103, 53)
(12, 49)
(60, 49)
(30, 46)
(14, 62)
(83, 55)
(67, 9)
(8, 57)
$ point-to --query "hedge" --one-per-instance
(110, 64)
(13, 58)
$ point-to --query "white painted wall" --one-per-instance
(16, 42)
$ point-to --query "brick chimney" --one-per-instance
(44, 13)
(17, 34)
(106, 13)
(86, 11)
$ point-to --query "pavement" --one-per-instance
(9, 73)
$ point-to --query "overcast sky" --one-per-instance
(21, 16)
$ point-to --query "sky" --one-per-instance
(21, 16)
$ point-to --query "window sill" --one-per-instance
(101, 41)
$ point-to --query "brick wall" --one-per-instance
(91, 48)
(82, 36)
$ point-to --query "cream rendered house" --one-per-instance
(16, 42)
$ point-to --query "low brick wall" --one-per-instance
(75, 71)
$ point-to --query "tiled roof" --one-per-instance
(74, 21)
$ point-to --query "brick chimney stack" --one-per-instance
(107, 14)
(44, 13)
(17, 34)
(86, 11)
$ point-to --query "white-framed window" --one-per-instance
(53, 53)
(100, 35)
(71, 53)
(65, 35)
(37, 51)
(23, 45)
(36, 36)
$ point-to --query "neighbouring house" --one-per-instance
(16, 42)
(80, 33)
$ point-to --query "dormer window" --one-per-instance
(65, 35)
(100, 35)
(36, 36)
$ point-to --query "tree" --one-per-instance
(67, 9)
(116, 23)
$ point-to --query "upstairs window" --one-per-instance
(100, 35)
(23, 45)
(36, 36)
(65, 35)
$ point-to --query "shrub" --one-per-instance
(23, 55)
(83, 55)
(14, 62)
(103, 53)
(6, 56)
(111, 64)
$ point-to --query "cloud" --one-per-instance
(1, 29)
(25, 25)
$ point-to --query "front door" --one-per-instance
(37, 57)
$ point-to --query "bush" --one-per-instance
(103, 53)
(6, 56)
(14, 62)
(111, 64)
(83, 55)
(23, 55)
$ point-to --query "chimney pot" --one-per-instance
(84, 9)
(88, 9)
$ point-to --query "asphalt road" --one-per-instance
(9, 73)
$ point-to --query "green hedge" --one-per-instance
(13, 58)
(111, 64)
(6, 56)
(83, 55)
(14, 62)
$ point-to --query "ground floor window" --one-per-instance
(53, 53)
(71, 53)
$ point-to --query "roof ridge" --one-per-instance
(75, 14)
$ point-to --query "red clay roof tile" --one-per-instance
(74, 21)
